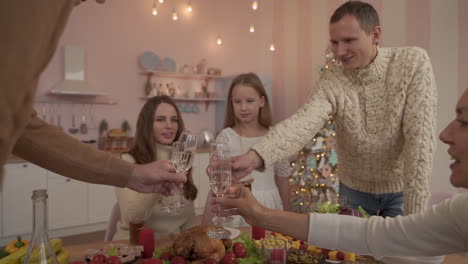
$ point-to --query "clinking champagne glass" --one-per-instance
(190, 142)
(220, 181)
(220, 147)
(182, 161)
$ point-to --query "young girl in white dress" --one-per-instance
(248, 118)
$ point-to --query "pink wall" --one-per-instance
(278, 87)
(462, 46)
(418, 21)
(113, 35)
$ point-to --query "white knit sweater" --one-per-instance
(385, 116)
(134, 205)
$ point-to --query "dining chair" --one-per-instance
(112, 224)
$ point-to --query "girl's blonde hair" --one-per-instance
(252, 80)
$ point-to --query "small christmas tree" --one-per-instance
(313, 173)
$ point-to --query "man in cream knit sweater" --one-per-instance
(384, 104)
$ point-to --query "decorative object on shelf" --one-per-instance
(154, 91)
(116, 141)
(103, 127)
(171, 90)
(148, 84)
(185, 69)
(205, 92)
(160, 89)
(201, 67)
(169, 65)
(191, 93)
(213, 71)
(125, 127)
(149, 61)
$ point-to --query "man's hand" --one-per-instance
(238, 200)
(156, 177)
(244, 164)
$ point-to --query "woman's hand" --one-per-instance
(244, 164)
(238, 200)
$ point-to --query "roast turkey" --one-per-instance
(195, 245)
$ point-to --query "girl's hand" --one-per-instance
(244, 164)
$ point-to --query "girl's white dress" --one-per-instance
(264, 186)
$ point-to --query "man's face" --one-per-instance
(351, 44)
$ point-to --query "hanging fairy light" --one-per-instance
(254, 4)
(272, 47)
(161, 1)
(219, 41)
(155, 10)
(174, 14)
(189, 7)
(252, 28)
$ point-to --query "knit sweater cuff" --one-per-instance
(414, 203)
(264, 150)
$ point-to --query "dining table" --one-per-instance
(78, 251)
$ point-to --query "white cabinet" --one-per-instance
(101, 199)
(19, 180)
(200, 179)
(66, 202)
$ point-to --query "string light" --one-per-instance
(252, 28)
(254, 4)
(161, 1)
(189, 7)
(174, 14)
(219, 41)
(272, 47)
(155, 10)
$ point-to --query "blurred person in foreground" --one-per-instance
(30, 34)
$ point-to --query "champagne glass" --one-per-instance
(220, 181)
(182, 161)
(190, 142)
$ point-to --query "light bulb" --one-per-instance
(174, 14)
(189, 8)
(272, 47)
(161, 1)
(155, 11)
(252, 29)
(254, 4)
(219, 41)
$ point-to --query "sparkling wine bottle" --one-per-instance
(40, 251)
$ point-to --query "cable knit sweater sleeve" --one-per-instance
(134, 205)
(419, 130)
(280, 143)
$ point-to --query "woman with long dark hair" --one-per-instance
(159, 125)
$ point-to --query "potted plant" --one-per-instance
(103, 127)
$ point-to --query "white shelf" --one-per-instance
(179, 75)
(192, 99)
